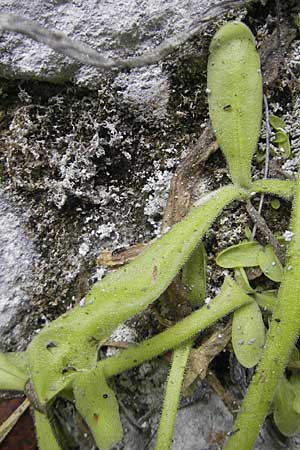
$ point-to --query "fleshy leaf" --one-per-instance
(194, 276)
(98, 405)
(286, 418)
(248, 334)
(244, 254)
(70, 343)
(11, 377)
(235, 97)
(45, 435)
(270, 264)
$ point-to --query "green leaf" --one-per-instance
(70, 343)
(295, 382)
(248, 334)
(194, 276)
(229, 298)
(235, 97)
(266, 299)
(270, 264)
(11, 377)
(283, 143)
(276, 122)
(280, 137)
(18, 359)
(97, 404)
(275, 203)
(281, 188)
(45, 435)
(286, 418)
(242, 280)
(244, 254)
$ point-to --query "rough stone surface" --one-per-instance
(143, 25)
(17, 258)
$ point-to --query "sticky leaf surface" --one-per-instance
(235, 97)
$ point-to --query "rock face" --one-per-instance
(17, 258)
(86, 157)
(116, 30)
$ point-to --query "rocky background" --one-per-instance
(86, 158)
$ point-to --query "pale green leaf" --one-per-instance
(295, 382)
(45, 435)
(266, 299)
(18, 359)
(286, 418)
(235, 97)
(194, 276)
(270, 264)
(248, 334)
(70, 343)
(11, 377)
(244, 254)
(242, 280)
(98, 405)
(281, 188)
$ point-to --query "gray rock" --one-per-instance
(17, 258)
(122, 29)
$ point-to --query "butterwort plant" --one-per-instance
(62, 360)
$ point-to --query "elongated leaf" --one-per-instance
(98, 405)
(285, 417)
(70, 343)
(270, 264)
(229, 298)
(194, 276)
(45, 435)
(172, 396)
(235, 97)
(282, 188)
(11, 377)
(248, 334)
(244, 254)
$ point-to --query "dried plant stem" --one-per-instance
(266, 170)
(61, 43)
(9, 423)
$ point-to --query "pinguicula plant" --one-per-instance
(62, 360)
